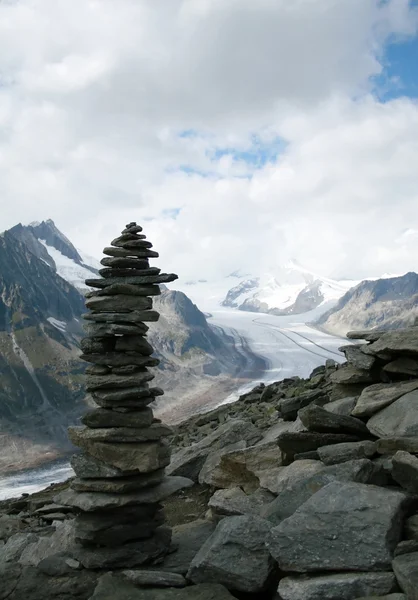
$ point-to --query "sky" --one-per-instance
(239, 133)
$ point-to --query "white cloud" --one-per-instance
(94, 95)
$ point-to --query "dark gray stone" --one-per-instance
(398, 419)
(137, 280)
(339, 586)
(405, 471)
(376, 397)
(122, 485)
(289, 407)
(333, 455)
(134, 344)
(81, 434)
(158, 579)
(112, 329)
(348, 375)
(109, 418)
(393, 444)
(144, 253)
(366, 334)
(299, 490)
(318, 419)
(135, 316)
(118, 303)
(119, 359)
(411, 528)
(403, 366)
(96, 501)
(406, 547)
(109, 381)
(344, 406)
(295, 443)
(111, 587)
(357, 358)
(406, 571)
(236, 556)
(344, 526)
(397, 341)
(86, 466)
(133, 262)
(126, 393)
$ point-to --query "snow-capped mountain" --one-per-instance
(49, 244)
(290, 289)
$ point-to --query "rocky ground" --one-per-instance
(303, 490)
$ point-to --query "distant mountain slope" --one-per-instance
(383, 303)
(47, 242)
(41, 375)
(292, 289)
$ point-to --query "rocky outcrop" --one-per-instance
(383, 303)
(321, 506)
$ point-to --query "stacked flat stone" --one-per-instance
(120, 480)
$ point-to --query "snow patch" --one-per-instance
(61, 325)
(68, 269)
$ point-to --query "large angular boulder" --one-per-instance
(188, 462)
(300, 442)
(398, 341)
(378, 396)
(297, 471)
(406, 571)
(357, 358)
(333, 455)
(344, 526)
(405, 471)
(235, 501)
(398, 419)
(318, 419)
(249, 468)
(349, 374)
(300, 488)
(343, 406)
(236, 556)
(339, 586)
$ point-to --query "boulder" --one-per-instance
(333, 455)
(110, 418)
(92, 501)
(187, 539)
(275, 431)
(189, 461)
(248, 468)
(378, 396)
(300, 489)
(344, 406)
(357, 358)
(86, 435)
(320, 420)
(15, 545)
(339, 586)
(406, 571)
(235, 501)
(403, 366)
(405, 471)
(112, 587)
(213, 460)
(344, 526)
(411, 528)
(393, 444)
(296, 443)
(348, 375)
(293, 474)
(62, 540)
(289, 407)
(118, 485)
(236, 556)
(398, 341)
(398, 419)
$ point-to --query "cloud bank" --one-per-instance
(239, 133)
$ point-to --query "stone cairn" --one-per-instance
(120, 479)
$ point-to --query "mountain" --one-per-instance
(292, 289)
(53, 247)
(41, 376)
(383, 303)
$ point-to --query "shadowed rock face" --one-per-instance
(385, 303)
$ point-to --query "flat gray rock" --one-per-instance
(111, 587)
(398, 341)
(344, 526)
(340, 586)
(140, 457)
(289, 476)
(299, 489)
(348, 375)
(333, 455)
(295, 443)
(357, 358)
(86, 466)
(96, 501)
(393, 444)
(376, 397)
(118, 303)
(119, 359)
(405, 471)
(79, 434)
(344, 406)
(320, 420)
(189, 461)
(135, 316)
(370, 335)
(120, 485)
(398, 419)
(147, 578)
(101, 417)
(111, 381)
(236, 556)
(403, 366)
(138, 280)
(406, 571)
(235, 501)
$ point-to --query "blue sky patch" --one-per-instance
(258, 153)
